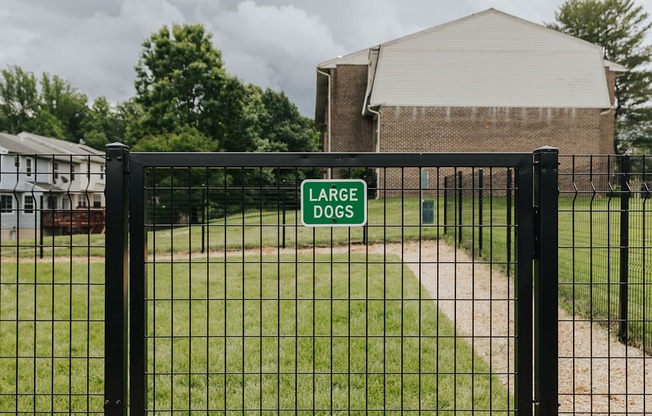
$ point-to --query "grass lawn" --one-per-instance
(51, 337)
(260, 333)
(303, 333)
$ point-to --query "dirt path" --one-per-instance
(604, 377)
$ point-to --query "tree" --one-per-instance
(620, 27)
(283, 125)
(19, 99)
(51, 107)
(62, 102)
(180, 81)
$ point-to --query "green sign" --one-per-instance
(333, 202)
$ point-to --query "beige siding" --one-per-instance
(490, 60)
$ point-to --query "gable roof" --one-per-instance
(60, 146)
(33, 144)
(489, 59)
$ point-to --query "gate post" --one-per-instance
(116, 283)
(546, 281)
(623, 288)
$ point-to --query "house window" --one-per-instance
(28, 166)
(17, 161)
(28, 203)
(97, 200)
(102, 169)
(55, 171)
(6, 203)
(53, 202)
(72, 173)
(65, 203)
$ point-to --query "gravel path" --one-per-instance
(605, 377)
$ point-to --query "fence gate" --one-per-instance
(237, 307)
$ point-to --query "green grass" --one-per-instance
(295, 333)
(307, 333)
(51, 322)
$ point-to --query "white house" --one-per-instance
(41, 175)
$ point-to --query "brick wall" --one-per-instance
(418, 129)
(351, 132)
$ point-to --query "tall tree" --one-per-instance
(180, 82)
(19, 99)
(620, 26)
(62, 102)
(51, 107)
(283, 125)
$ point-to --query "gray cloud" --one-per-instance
(95, 44)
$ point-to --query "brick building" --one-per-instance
(487, 82)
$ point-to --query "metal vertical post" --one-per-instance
(445, 204)
(459, 207)
(480, 195)
(284, 219)
(523, 268)
(116, 280)
(625, 193)
(546, 281)
(41, 228)
(137, 289)
(508, 237)
(203, 219)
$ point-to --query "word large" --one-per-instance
(340, 202)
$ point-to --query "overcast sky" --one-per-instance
(95, 44)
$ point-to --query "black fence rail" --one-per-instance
(51, 285)
(469, 199)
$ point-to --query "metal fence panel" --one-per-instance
(237, 308)
(51, 284)
(604, 285)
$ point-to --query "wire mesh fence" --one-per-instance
(604, 253)
(249, 311)
(604, 284)
(246, 310)
(51, 284)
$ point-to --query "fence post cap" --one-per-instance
(547, 149)
(116, 145)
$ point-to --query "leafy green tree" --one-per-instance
(620, 26)
(130, 116)
(283, 125)
(180, 81)
(65, 104)
(19, 99)
(51, 107)
(106, 123)
(187, 139)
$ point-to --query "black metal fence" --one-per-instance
(605, 243)
(228, 315)
(51, 285)
(52, 313)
